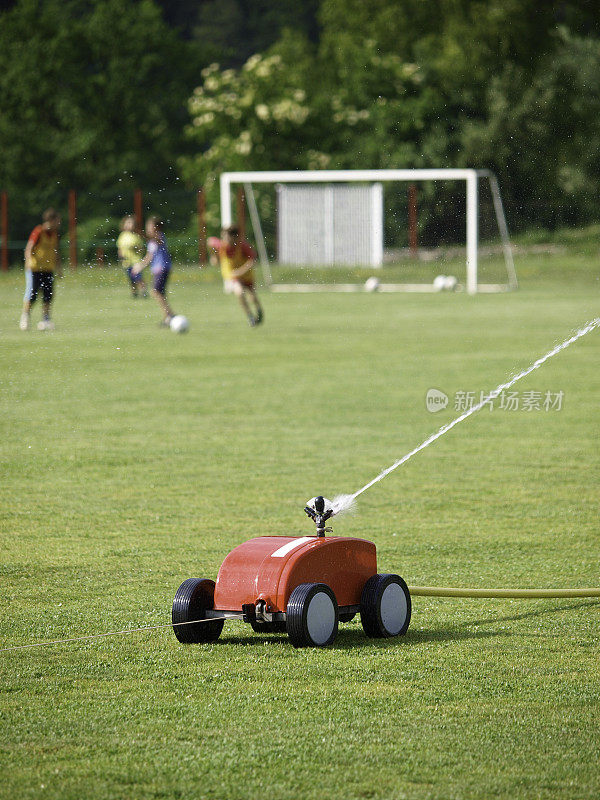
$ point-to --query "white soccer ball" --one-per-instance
(450, 283)
(439, 282)
(372, 284)
(180, 324)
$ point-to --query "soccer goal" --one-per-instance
(321, 224)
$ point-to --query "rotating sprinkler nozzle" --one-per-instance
(319, 509)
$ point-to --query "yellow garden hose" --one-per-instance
(438, 591)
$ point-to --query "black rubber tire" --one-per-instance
(297, 613)
(192, 599)
(259, 626)
(375, 624)
(347, 616)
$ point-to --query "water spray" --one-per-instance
(345, 502)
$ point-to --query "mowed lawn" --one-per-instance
(133, 458)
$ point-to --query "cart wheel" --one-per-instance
(347, 616)
(385, 606)
(268, 627)
(312, 615)
(193, 598)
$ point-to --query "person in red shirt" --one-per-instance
(237, 258)
(42, 262)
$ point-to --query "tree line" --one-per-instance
(106, 95)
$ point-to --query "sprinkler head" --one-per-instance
(319, 509)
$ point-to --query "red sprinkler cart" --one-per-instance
(303, 586)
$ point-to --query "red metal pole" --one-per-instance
(241, 211)
(201, 207)
(73, 229)
(4, 229)
(138, 210)
(412, 219)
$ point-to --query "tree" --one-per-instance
(255, 117)
(93, 97)
(542, 135)
(241, 28)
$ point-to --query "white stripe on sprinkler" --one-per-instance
(287, 548)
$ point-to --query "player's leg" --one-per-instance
(165, 307)
(47, 286)
(258, 308)
(28, 300)
(238, 290)
(159, 290)
(133, 281)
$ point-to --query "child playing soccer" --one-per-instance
(237, 259)
(130, 247)
(157, 255)
(42, 261)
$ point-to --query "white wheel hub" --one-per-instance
(320, 618)
(393, 608)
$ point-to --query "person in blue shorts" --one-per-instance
(157, 255)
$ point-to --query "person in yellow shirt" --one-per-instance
(236, 259)
(130, 247)
(42, 262)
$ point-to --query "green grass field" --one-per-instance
(132, 458)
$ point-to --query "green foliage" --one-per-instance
(95, 232)
(256, 115)
(410, 84)
(93, 96)
(544, 133)
(299, 108)
(239, 29)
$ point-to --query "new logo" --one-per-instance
(435, 400)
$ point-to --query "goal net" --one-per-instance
(391, 230)
(329, 224)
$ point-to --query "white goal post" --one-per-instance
(469, 176)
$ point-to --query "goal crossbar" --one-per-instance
(470, 176)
